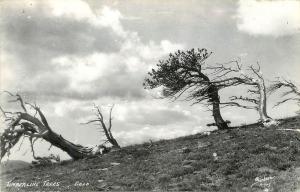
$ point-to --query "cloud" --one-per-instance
(275, 18)
(6, 71)
(73, 51)
(143, 113)
(76, 9)
(52, 35)
(117, 74)
(81, 11)
(125, 113)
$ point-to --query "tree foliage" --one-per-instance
(186, 74)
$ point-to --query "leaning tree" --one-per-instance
(23, 123)
(185, 74)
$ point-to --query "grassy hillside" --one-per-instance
(13, 165)
(247, 158)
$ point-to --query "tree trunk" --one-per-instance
(220, 123)
(214, 98)
(75, 151)
(112, 140)
(114, 143)
(110, 137)
(262, 108)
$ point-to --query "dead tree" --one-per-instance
(103, 128)
(290, 93)
(185, 74)
(257, 92)
(34, 126)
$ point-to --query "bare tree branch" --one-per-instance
(110, 119)
(234, 98)
(23, 124)
(103, 128)
(257, 89)
(285, 100)
(235, 104)
(290, 89)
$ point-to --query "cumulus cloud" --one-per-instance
(76, 9)
(117, 74)
(275, 18)
(143, 113)
(114, 74)
(74, 51)
(80, 11)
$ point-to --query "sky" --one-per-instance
(68, 55)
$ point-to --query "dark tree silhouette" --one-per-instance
(34, 126)
(103, 128)
(186, 74)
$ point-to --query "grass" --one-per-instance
(247, 158)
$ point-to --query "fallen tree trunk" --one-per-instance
(75, 151)
(23, 124)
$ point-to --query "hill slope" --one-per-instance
(13, 165)
(248, 158)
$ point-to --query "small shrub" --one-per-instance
(181, 171)
(247, 173)
(293, 151)
(200, 156)
(186, 150)
(141, 182)
(199, 165)
(188, 184)
(280, 161)
(163, 180)
(259, 150)
(139, 153)
(228, 168)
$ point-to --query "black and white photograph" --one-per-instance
(150, 95)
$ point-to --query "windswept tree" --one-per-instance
(257, 92)
(30, 122)
(185, 74)
(106, 129)
(290, 90)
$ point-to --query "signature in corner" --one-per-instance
(261, 181)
